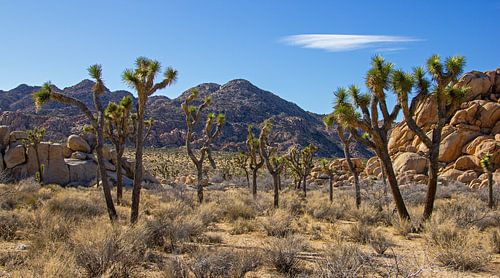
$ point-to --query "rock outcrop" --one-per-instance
(472, 132)
(69, 164)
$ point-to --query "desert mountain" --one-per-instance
(241, 102)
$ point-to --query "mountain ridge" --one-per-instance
(241, 101)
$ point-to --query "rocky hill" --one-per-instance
(241, 102)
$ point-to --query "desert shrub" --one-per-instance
(107, 251)
(294, 203)
(278, 224)
(359, 233)
(47, 228)
(26, 193)
(342, 260)
(208, 212)
(403, 227)
(235, 209)
(283, 254)
(243, 226)
(324, 210)
(223, 263)
(10, 222)
(495, 242)
(75, 206)
(370, 215)
(468, 211)
(456, 248)
(55, 261)
(175, 267)
(399, 266)
(379, 242)
(171, 224)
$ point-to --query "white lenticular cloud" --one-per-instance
(338, 43)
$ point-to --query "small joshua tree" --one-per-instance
(301, 162)
(256, 161)
(377, 81)
(46, 94)
(118, 128)
(142, 80)
(325, 168)
(488, 169)
(340, 109)
(241, 160)
(212, 130)
(274, 162)
(447, 98)
(35, 136)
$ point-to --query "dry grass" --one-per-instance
(67, 233)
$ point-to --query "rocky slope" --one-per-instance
(241, 102)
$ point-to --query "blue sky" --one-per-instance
(216, 41)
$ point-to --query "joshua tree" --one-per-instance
(142, 80)
(489, 169)
(118, 128)
(35, 136)
(256, 160)
(241, 160)
(335, 118)
(274, 163)
(301, 162)
(447, 99)
(46, 94)
(325, 168)
(377, 81)
(212, 130)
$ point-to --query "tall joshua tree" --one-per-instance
(256, 160)
(447, 99)
(118, 128)
(35, 137)
(274, 162)
(46, 94)
(377, 81)
(301, 162)
(340, 109)
(142, 80)
(212, 130)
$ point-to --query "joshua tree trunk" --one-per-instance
(199, 187)
(279, 181)
(304, 188)
(254, 183)
(248, 178)
(119, 176)
(38, 164)
(491, 198)
(393, 183)
(276, 190)
(433, 177)
(139, 144)
(330, 181)
(353, 171)
(100, 160)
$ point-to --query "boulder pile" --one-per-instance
(340, 169)
(473, 131)
(70, 164)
